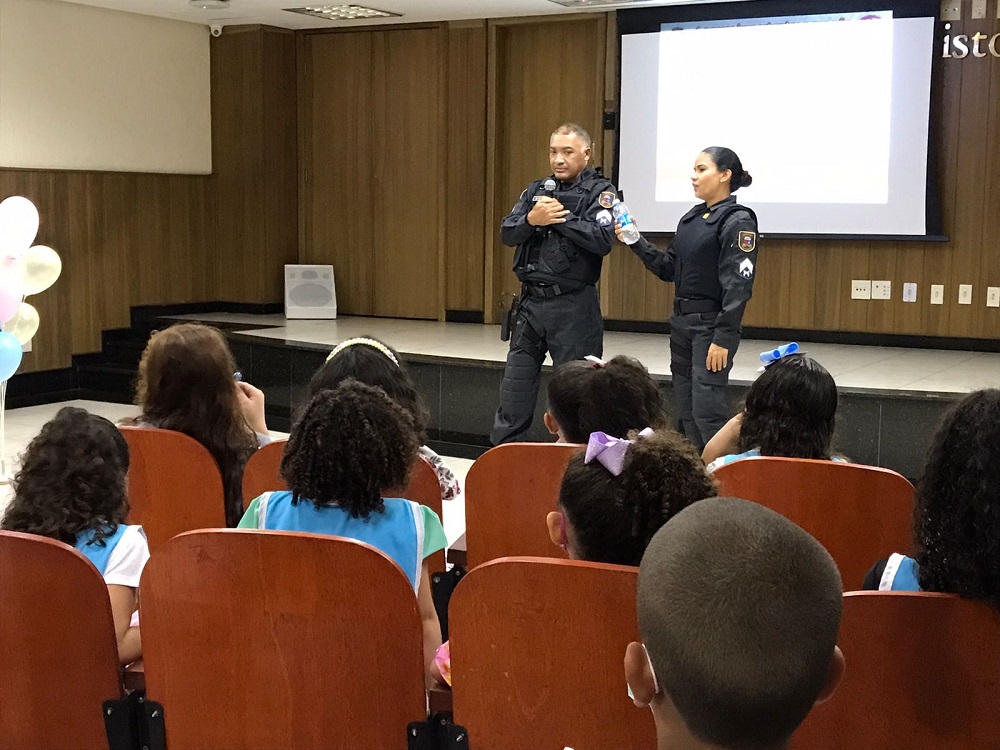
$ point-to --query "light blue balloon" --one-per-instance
(10, 354)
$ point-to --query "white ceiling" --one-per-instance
(272, 13)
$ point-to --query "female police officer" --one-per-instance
(711, 261)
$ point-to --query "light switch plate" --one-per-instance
(937, 294)
(909, 292)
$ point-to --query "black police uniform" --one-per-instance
(711, 260)
(559, 311)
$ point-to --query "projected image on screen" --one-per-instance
(852, 96)
(830, 113)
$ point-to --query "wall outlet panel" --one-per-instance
(861, 289)
(965, 294)
(993, 296)
(881, 290)
(937, 294)
(909, 292)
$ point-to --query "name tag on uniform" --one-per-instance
(536, 198)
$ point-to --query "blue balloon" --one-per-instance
(10, 354)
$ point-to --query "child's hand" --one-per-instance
(251, 402)
(726, 440)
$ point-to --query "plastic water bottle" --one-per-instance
(630, 235)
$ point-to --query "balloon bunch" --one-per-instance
(24, 270)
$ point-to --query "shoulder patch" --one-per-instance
(607, 199)
(604, 218)
(747, 240)
(746, 269)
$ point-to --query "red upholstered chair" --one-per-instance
(537, 648)
(859, 513)
(508, 492)
(58, 652)
(255, 639)
(923, 673)
(174, 484)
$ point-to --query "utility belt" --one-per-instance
(529, 289)
(684, 306)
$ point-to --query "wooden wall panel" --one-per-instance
(124, 239)
(465, 149)
(373, 163)
(254, 162)
(544, 73)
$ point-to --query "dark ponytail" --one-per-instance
(726, 158)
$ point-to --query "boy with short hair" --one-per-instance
(739, 611)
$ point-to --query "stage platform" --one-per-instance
(890, 398)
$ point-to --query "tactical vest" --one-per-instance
(548, 257)
(697, 246)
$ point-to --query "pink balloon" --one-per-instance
(11, 293)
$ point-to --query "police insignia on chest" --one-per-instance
(747, 241)
(607, 199)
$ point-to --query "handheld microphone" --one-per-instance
(548, 187)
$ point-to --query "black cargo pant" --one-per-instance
(569, 326)
(699, 393)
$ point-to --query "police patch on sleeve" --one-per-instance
(607, 199)
(747, 242)
(604, 218)
(746, 268)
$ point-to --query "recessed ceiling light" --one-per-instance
(209, 4)
(343, 12)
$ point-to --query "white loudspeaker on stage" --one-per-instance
(310, 292)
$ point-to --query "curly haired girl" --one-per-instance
(956, 510)
(71, 487)
(349, 445)
(368, 360)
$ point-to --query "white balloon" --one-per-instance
(24, 324)
(18, 225)
(42, 267)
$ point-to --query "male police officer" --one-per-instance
(562, 228)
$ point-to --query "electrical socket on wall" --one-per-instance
(937, 294)
(861, 289)
(965, 294)
(909, 292)
(881, 290)
(993, 296)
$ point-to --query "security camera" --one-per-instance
(215, 28)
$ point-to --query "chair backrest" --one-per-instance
(58, 653)
(859, 513)
(508, 491)
(262, 472)
(262, 475)
(174, 484)
(923, 673)
(536, 653)
(258, 639)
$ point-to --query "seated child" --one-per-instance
(790, 411)
(371, 361)
(956, 509)
(739, 611)
(348, 446)
(614, 497)
(71, 487)
(615, 397)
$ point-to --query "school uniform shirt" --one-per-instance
(121, 558)
(407, 532)
(752, 453)
(897, 573)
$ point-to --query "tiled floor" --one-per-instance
(23, 424)
(853, 367)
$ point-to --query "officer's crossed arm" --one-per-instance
(737, 267)
(515, 229)
(594, 231)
